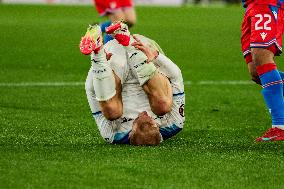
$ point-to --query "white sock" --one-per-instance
(103, 80)
(139, 65)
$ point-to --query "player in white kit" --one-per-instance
(136, 95)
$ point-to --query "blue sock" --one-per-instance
(104, 25)
(281, 74)
(107, 38)
(273, 95)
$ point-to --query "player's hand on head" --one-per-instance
(151, 54)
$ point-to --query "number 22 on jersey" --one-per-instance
(263, 22)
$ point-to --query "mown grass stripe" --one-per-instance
(65, 84)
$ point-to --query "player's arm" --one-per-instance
(111, 130)
(157, 87)
(166, 66)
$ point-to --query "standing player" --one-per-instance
(132, 101)
(115, 10)
(261, 40)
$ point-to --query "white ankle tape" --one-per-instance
(103, 78)
(99, 58)
(143, 70)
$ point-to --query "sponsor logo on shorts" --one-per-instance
(263, 35)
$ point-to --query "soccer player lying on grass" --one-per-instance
(136, 95)
(262, 32)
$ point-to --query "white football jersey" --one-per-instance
(135, 99)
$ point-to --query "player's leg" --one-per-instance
(127, 7)
(107, 37)
(272, 92)
(112, 9)
(114, 15)
(159, 92)
(130, 16)
(245, 41)
(124, 11)
(111, 108)
(254, 75)
(126, 14)
(263, 47)
(103, 8)
(107, 87)
(280, 30)
(104, 25)
(156, 85)
(282, 75)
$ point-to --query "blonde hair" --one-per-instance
(145, 135)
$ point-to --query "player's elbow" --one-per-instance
(112, 112)
(162, 107)
(131, 21)
(112, 115)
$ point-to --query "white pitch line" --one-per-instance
(42, 84)
(225, 82)
(66, 84)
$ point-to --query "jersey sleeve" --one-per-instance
(111, 131)
(172, 71)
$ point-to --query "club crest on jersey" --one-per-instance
(263, 35)
(181, 110)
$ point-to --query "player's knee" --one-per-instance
(256, 55)
(130, 17)
(117, 16)
(131, 22)
(261, 56)
(161, 107)
(111, 112)
(255, 79)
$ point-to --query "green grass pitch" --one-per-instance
(48, 138)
